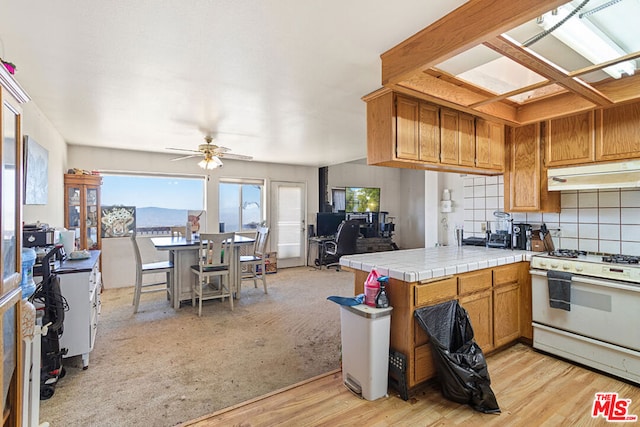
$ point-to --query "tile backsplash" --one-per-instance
(590, 220)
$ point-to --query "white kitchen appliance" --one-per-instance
(600, 329)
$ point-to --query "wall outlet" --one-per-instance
(483, 227)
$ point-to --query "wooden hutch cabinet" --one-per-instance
(82, 209)
(11, 369)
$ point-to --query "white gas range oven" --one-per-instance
(597, 319)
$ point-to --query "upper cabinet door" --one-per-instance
(466, 140)
(429, 133)
(407, 128)
(524, 190)
(617, 132)
(489, 144)
(449, 141)
(570, 140)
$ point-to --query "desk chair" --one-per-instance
(214, 260)
(250, 263)
(345, 243)
(150, 268)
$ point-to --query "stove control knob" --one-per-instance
(566, 267)
(554, 264)
(579, 267)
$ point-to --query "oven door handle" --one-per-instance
(593, 281)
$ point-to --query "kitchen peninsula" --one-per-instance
(493, 285)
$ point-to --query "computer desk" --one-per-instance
(319, 242)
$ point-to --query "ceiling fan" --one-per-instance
(211, 154)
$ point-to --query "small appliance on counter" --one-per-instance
(499, 231)
(37, 235)
(522, 236)
(474, 241)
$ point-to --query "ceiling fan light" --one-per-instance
(210, 163)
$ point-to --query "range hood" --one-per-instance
(606, 175)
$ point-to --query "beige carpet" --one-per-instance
(160, 367)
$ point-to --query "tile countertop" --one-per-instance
(414, 265)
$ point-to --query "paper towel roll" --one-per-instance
(68, 241)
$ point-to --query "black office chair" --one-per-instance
(345, 243)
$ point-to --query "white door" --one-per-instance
(288, 229)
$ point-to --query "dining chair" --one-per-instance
(250, 263)
(215, 259)
(178, 231)
(150, 268)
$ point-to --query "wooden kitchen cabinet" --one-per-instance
(525, 179)
(617, 133)
(570, 140)
(406, 132)
(489, 144)
(457, 138)
(82, 209)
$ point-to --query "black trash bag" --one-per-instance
(460, 363)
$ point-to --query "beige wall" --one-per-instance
(38, 127)
(117, 265)
(401, 194)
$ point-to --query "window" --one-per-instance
(241, 205)
(159, 201)
(339, 199)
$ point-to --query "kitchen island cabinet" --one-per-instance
(485, 281)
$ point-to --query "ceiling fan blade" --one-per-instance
(182, 149)
(186, 157)
(235, 156)
(222, 150)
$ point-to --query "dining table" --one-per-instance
(184, 253)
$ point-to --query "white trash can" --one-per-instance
(365, 349)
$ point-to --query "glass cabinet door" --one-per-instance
(92, 218)
(10, 196)
(73, 203)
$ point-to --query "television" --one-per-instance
(362, 199)
(327, 223)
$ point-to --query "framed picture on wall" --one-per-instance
(36, 159)
(118, 221)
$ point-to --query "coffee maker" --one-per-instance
(522, 236)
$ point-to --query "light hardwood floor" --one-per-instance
(532, 389)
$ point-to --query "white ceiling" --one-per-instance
(280, 80)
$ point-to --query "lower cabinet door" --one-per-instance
(506, 314)
(423, 367)
(480, 311)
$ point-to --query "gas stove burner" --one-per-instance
(621, 259)
(567, 253)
